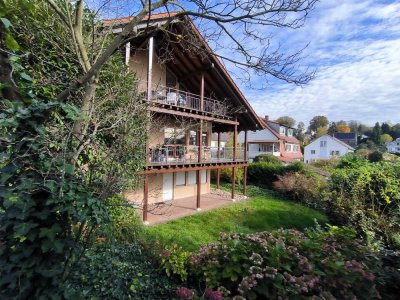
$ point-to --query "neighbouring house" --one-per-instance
(393, 146)
(275, 139)
(325, 147)
(349, 138)
(223, 139)
(190, 98)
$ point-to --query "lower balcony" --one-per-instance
(180, 155)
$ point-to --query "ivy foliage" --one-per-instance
(50, 203)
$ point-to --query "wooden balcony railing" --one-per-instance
(171, 96)
(177, 154)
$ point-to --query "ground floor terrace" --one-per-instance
(173, 191)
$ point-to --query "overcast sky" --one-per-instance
(355, 46)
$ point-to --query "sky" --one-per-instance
(354, 46)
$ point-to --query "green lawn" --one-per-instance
(264, 211)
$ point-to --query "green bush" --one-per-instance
(119, 271)
(264, 173)
(375, 156)
(226, 175)
(125, 224)
(368, 198)
(326, 164)
(287, 264)
(351, 160)
(269, 158)
(307, 187)
(174, 260)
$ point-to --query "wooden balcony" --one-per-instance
(172, 156)
(170, 100)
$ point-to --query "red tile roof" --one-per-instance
(124, 20)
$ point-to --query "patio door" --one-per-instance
(168, 185)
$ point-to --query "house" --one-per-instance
(349, 138)
(190, 97)
(325, 147)
(393, 146)
(275, 139)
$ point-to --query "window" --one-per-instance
(192, 177)
(174, 136)
(180, 178)
(290, 132)
(282, 130)
(264, 148)
(312, 151)
(322, 143)
(334, 152)
(203, 176)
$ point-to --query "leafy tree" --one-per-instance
(386, 138)
(395, 131)
(300, 131)
(286, 120)
(354, 125)
(343, 128)
(385, 127)
(376, 134)
(321, 131)
(319, 122)
(332, 128)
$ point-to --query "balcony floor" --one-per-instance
(178, 208)
(193, 162)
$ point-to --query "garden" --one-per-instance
(66, 233)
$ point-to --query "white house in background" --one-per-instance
(394, 146)
(325, 147)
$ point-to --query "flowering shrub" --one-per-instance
(289, 264)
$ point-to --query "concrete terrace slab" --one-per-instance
(175, 209)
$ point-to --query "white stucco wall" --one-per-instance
(324, 152)
(260, 135)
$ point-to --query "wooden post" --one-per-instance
(200, 141)
(218, 157)
(245, 146)
(244, 180)
(202, 92)
(233, 183)
(150, 68)
(145, 198)
(198, 190)
(235, 140)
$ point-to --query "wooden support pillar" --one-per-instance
(200, 141)
(218, 178)
(202, 92)
(245, 146)
(235, 140)
(233, 183)
(145, 198)
(198, 190)
(244, 180)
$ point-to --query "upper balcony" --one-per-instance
(177, 100)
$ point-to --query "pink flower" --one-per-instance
(184, 293)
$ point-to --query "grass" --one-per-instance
(264, 211)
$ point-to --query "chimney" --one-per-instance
(266, 118)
